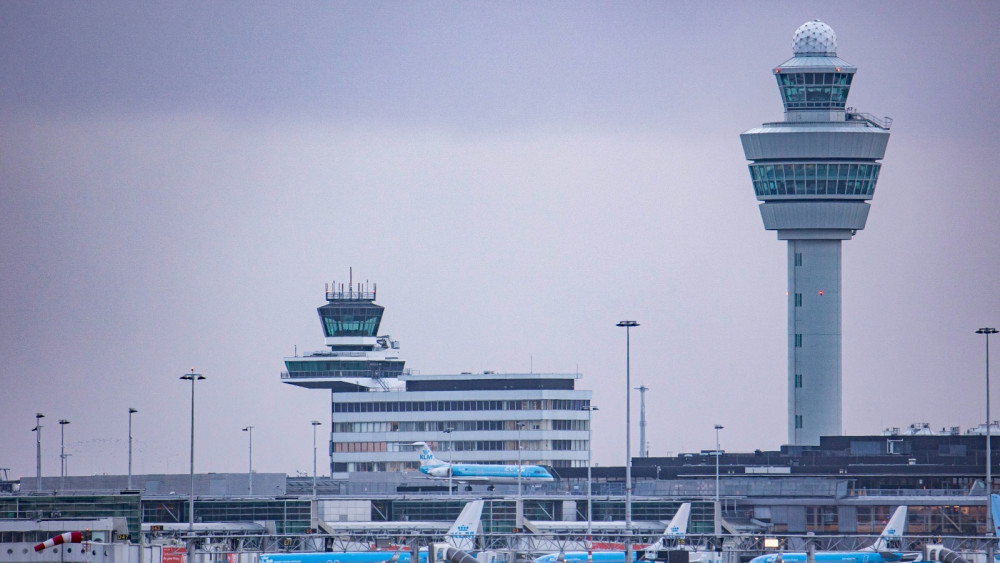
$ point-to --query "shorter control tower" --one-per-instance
(358, 359)
(814, 173)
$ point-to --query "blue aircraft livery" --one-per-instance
(472, 472)
(886, 549)
(675, 533)
(995, 507)
(462, 535)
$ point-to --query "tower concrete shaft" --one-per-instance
(814, 173)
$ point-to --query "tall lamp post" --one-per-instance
(451, 457)
(249, 429)
(590, 505)
(192, 377)
(62, 452)
(519, 508)
(38, 448)
(990, 525)
(315, 423)
(131, 411)
(718, 454)
(628, 439)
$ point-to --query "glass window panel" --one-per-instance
(809, 171)
(839, 95)
(795, 94)
(817, 94)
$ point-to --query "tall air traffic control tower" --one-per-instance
(814, 173)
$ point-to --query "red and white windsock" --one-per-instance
(68, 537)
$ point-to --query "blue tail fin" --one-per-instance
(995, 507)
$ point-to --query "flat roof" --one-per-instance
(488, 375)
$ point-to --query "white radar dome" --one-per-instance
(814, 38)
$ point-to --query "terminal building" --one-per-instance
(379, 408)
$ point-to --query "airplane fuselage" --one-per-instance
(467, 472)
(342, 557)
(618, 557)
(832, 557)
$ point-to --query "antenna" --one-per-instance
(643, 446)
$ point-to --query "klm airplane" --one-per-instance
(886, 549)
(479, 473)
(672, 539)
(462, 535)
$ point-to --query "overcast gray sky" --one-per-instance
(179, 180)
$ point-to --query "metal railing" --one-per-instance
(882, 123)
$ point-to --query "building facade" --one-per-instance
(379, 408)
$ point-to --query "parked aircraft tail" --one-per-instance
(463, 532)
(676, 530)
(891, 537)
(427, 458)
(995, 507)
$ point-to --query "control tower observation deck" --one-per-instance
(358, 359)
(814, 173)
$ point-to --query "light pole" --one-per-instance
(315, 423)
(987, 331)
(38, 448)
(192, 377)
(628, 439)
(718, 454)
(590, 505)
(249, 429)
(451, 457)
(131, 411)
(519, 508)
(62, 452)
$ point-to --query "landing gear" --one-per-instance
(491, 488)
(468, 487)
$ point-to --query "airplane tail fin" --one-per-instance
(678, 526)
(995, 507)
(891, 537)
(676, 530)
(426, 455)
(462, 534)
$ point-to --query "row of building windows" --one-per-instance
(569, 445)
(812, 178)
(455, 425)
(933, 520)
(814, 78)
(351, 321)
(463, 446)
(460, 406)
(815, 97)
